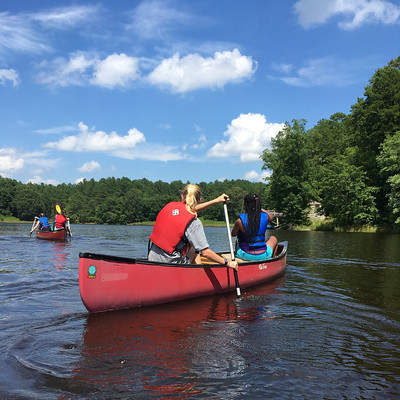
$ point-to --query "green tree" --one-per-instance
(28, 202)
(375, 118)
(8, 189)
(325, 142)
(346, 197)
(289, 186)
(389, 163)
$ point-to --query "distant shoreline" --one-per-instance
(208, 223)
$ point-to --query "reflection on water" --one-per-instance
(330, 328)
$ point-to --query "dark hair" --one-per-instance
(252, 207)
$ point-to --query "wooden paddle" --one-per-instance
(231, 247)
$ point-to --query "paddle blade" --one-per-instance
(58, 208)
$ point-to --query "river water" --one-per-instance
(328, 329)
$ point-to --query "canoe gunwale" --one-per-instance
(129, 260)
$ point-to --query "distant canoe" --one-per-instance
(111, 283)
(52, 235)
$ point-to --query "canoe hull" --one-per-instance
(52, 235)
(112, 283)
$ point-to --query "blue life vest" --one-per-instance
(254, 242)
(44, 222)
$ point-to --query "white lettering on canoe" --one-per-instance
(262, 266)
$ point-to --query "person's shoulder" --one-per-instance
(194, 223)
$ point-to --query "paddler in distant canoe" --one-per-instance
(61, 221)
(42, 223)
(178, 235)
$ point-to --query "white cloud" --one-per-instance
(285, 68)
(155, 19)
(256, 176)
(66, 17)
(57, 130)
(99, 141)
(151, 152)
(325, 72)
(61, 72)
(248, 135)
(16, 34)
(10, 161)
(89, 166)
(354, 13)
(84, 68)
(194, 71)
(115, 70)
(177, 74)
(38, 179)
(9, 75)
(201, 143)
(131, 146)
(166, 126)
(22, 32)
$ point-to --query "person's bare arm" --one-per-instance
(37, 224)
(271, 215)
(237, 227)
(209, 254)
(220, 199)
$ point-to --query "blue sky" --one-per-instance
(172, 89)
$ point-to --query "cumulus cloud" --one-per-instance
(37, 179)
(248, 135)
(89, 166)
(10, 161)
(178, 74)
(131, 146)
(256, 176)
(194, 71)
(9, 75)
(97, 141)
(13, 161)
(354, 13)
(116, 70)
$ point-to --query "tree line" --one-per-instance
(117, 200)
(349, 164)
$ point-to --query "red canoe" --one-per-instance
(52, 235)
(112, 283)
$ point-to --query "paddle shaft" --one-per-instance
(69, 228)
(34, 220)
(231, 247)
